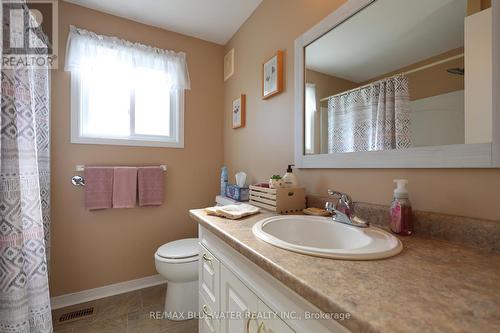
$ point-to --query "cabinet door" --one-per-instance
(209, 278)
(238, 303)
(269, 322)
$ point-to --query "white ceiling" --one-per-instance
(212, 20)
(388, 35)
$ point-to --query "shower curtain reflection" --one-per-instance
(375, 117)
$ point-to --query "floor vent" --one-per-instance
(76, 315)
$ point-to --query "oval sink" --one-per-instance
(320, 236)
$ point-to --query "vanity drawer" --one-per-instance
(207, 322)
(209, 278)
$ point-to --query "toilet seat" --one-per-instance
(179, 251)
(175, 261)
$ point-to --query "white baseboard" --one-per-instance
(62, 301)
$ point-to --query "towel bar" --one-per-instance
(80, 181)
(81, 167)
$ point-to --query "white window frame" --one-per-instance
(176, 140)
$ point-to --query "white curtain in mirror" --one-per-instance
(310, 114)
(373, 117)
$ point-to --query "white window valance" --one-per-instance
(88, 49)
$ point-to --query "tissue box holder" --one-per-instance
(238, 193)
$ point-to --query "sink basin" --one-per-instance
(322, 237)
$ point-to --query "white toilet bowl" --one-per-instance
(177, 262)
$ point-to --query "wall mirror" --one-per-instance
(399, 83)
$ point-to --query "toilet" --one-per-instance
(177, 262)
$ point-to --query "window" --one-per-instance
(124, 93)
(115, 105)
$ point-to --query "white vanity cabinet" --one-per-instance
(239, 302)
(208, 285)
(207, 323)
(237, 296)
(253, 314)
(227, 305)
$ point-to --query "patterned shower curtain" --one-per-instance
(24, 201)
(376, 117)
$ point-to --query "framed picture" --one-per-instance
(239, 111)
(229, 64)
(272, 76)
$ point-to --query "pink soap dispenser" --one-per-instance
(401, 209)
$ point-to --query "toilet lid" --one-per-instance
(183, 248)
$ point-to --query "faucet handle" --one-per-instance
(330, 207)
(342, 196)
(345, 204)
(343, 212)
(333, 192)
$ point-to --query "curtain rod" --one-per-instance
(439, 62)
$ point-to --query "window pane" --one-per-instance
(152, 103)
(106, 101)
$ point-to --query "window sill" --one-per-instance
(128, 142)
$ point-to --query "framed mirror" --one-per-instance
(399, 84)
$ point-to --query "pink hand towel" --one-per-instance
(98, 187)
(150, 186)
(124, 187)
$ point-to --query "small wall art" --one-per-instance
(229, 64)
(272, 76)
(239, 111)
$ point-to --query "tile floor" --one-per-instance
(126, 313)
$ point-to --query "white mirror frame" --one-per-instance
(481, 155)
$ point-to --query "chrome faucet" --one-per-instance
(343, 211)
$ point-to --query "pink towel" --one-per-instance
(150, 186)
(98, 187)
(124, 187)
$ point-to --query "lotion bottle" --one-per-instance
(401, 223)
(289, 178)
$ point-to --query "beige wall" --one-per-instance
(424, 83)
(327, 85)
(265, 145)
(434, 80)
(92, 249)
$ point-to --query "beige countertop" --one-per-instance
(432, 286)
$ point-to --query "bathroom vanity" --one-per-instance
(238, 296)
(430, 286)
(364, 99)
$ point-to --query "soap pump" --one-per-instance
(289, 178)
(401, 209)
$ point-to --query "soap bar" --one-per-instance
(238, 193)
(315, 211)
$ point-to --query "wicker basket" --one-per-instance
(280, 200)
